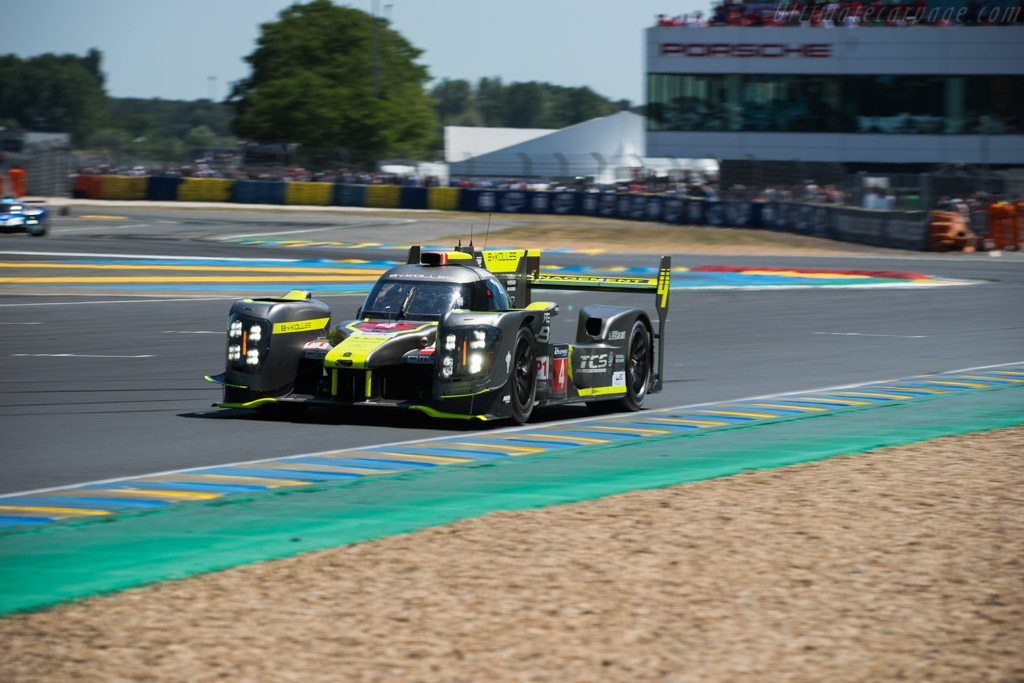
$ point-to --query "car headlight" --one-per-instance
(248, 343)
(469, 352)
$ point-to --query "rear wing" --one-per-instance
(659, 286)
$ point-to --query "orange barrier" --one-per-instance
(88, 186)
(1002, 226)
(443, 198)
(311, 194)
(948, 231)
(16, 178)
(382, 196)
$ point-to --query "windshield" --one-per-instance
(400, 299)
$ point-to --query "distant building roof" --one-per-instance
(464, 142)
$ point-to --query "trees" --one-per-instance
(54, 93)
(327, 76)
(518, 105)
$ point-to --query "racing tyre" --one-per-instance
(523, 380)
(41, 229)
(638, 368)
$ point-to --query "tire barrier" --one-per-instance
(162, 188)
(413, 198)
(382, 196)
(443, 198)
(349, 195)
(309, 194)
(205, 190)
(123, 187)
(88, 187)
(258, 192)
(893, 229)
(948, 231)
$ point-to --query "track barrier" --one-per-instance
(893, 229)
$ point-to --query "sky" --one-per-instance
(194, 49)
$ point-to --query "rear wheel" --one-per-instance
(638, 368)
(523, 379)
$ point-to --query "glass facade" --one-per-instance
(836, 104)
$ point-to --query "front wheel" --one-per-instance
(523, 379)
(638, 368)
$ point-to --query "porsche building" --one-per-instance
(886, 95)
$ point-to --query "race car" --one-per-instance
(24, 216)
(453, 334)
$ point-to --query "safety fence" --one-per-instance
(897, 229)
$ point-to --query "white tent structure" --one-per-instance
(465, 142)
(606, 149)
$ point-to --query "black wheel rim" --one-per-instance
(639, 362)
(523, 372)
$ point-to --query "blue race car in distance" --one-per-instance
(24, 216)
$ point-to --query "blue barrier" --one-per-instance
(162, 188)
(349, 195)
(413, 198)
(565, 203)
(258, 192)
(906, 230)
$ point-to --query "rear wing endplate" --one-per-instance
(659, 286)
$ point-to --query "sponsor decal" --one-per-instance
(513, 202)
(563, 202)
(595, 280)
(485, 202)
(316, 349)
(595, 362)
(607, 205)
(560, 350)
(508, 361)
(746, 50)
(385, 328)
(506, 398)
(558, 379)
(421, 276)
(619, 378)
(423, 357)
(616, 335)
(300, 326)
(543, 368)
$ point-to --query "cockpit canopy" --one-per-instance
(418, 293)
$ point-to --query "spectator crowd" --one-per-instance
(849, 13)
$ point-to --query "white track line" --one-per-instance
(471, 435)
(146, 256)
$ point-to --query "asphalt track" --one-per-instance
(105, 381)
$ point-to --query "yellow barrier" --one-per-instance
(443, 198)
(310, 194)
(383, 196)
(122, 187)
(205, 190)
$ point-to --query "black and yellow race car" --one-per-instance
(453, 334)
